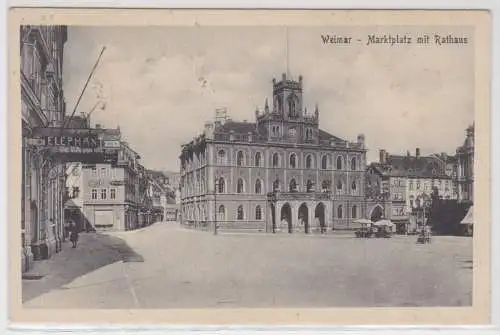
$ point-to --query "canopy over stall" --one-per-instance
(469, 217)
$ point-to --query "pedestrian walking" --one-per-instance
(73, 234)
(67, 224)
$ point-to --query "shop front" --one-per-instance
(45, 153)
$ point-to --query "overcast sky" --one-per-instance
(152, 80)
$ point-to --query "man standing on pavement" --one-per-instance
(74, 234)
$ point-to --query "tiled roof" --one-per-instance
(156, 174)
(237, 127)
(76, 122)
(410, 166)
(248, 127)
(325, 136)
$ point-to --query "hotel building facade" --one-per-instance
(43, 177)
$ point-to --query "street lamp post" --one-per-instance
(273, 201)
(421, 208)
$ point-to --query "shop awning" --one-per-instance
(70, 204)
(469, 217)
(387, 223)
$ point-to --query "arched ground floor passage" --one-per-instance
(300, 216)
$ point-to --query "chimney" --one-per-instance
(417, 152)
(470, 137)
(382, 156)
(408, 154)
(209, 130)
(283, 77)
(470, 131)
(361, 140)
(98, 126)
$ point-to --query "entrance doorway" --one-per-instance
(319, 214)
(377, 213)
(286, 216)
(34, 221)
(304, 217)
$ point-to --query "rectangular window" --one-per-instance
(93, 172)
(94, 194)
(112, 193)
(103, 194)
(103, 172)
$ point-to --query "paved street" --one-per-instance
(164, 266)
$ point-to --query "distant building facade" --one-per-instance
(158, 192)
(465, 168)
(280, 173)
(108, 194)
(42, 105)
(407, 183)
(173, 196)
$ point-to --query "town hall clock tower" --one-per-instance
(288, 120)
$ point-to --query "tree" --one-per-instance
(433, 208)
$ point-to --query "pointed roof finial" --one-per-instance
(266, 107)
(316, 110)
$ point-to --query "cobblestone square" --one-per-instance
(165, 266)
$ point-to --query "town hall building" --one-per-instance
(281, 173)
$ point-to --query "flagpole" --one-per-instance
(287, 53)
(67, 122)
